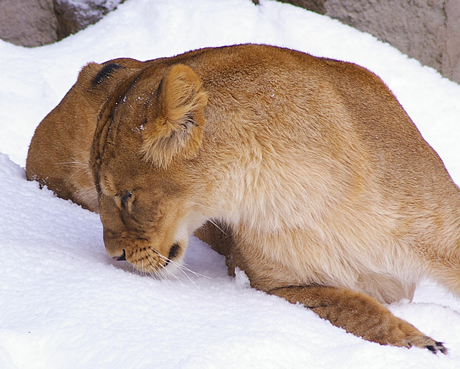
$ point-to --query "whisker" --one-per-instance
(168, 272)
(182, 268)
(166, 276)
(164, 269)
(196, 274)
(219, 228)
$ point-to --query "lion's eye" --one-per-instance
(126, 197)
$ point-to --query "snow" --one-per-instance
(65, 304)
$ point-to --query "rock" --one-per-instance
(28, 22)
(450, 66)
(417, 28)
(427, 30)
(75, 15)
(40, 22)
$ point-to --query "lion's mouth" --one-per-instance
(147, 259)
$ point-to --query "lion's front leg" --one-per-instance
(360, 315)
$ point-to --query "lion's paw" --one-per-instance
(427, 343)
(404, 334)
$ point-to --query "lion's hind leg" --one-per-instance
(360, 315)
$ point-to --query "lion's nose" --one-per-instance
(121, 257)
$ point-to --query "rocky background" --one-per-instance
(428, 30)
(39, 22)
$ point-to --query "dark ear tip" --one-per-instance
(93, 75)
(105, 73)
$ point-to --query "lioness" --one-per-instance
(326, 192)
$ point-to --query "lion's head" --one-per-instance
(150, 131)
(59, 153)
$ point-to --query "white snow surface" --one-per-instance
(65, 304)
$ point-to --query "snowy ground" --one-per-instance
(64, 304)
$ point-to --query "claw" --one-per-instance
(439, 346)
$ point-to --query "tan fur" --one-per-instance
(319, 185)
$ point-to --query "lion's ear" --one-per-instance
(176, 124)
(98, 81)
